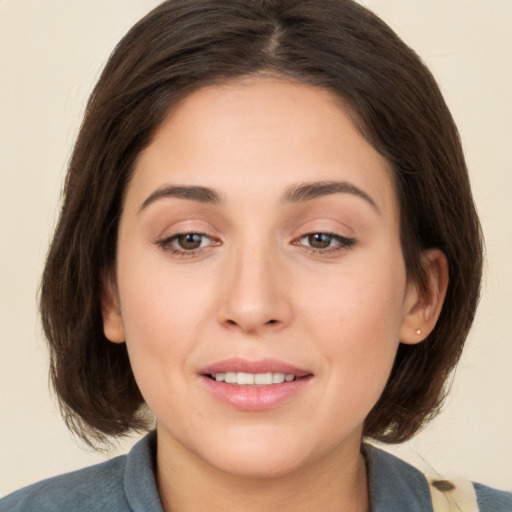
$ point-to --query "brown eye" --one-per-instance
(189, 241)
(320, 240)
(326, 243)
(187, 244)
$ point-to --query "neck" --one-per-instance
(189, 484)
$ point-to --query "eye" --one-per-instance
(319, 240)
(186, 243)
(190, 241)
(325, 242)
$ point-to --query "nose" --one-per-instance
(256, 295)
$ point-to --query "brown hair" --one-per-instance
(185, 44)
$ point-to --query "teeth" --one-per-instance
(263, 379)
(253, 379)
(245, 378)
(230, 378)
(277, 378)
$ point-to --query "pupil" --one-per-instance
(190, 241)
(319, 240)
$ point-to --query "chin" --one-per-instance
(257, 463)
(259, 453)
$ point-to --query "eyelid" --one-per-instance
(326, 222)
(169, 225)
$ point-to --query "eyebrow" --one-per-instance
(307, 191)
(192, 193)
(295, 194)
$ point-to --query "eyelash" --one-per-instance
(167, 245)
(343, 243)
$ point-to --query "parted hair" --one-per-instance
(183, 45)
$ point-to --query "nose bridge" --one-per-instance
(254, 296)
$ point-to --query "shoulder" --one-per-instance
(493, 500)
(123, 484)
(98, 487)
(394, 484)
(397, 486)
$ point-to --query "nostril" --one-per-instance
(272, 322)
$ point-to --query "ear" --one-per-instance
(423, 307)
(111, 312)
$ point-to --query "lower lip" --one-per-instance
(255, 398)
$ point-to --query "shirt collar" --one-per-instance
(139, 477)
(395, 486)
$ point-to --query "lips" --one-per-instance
(255, 367)
(254, 385)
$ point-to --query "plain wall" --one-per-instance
(51, 53)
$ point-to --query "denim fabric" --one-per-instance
(127, 484)
(396, 486)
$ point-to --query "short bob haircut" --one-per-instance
(183, 45)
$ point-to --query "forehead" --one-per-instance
(262, 135)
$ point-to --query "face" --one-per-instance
(260, 282)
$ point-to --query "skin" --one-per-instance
(256, 288)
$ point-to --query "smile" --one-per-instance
(255, 385)
(252, 379)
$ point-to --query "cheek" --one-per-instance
(163, 313)
(159, 300)
(354, 300)
(354, 320)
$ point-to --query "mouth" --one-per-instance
(264, 372)
(253, 379)
(255, 385)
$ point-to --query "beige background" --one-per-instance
(51, 52)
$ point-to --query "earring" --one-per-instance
(418, 331)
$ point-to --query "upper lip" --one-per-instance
(259, 366)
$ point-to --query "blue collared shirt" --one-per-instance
(127, 484)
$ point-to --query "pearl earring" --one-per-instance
(418, 331)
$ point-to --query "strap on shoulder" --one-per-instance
(453, 495)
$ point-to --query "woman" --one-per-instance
(268, 240)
